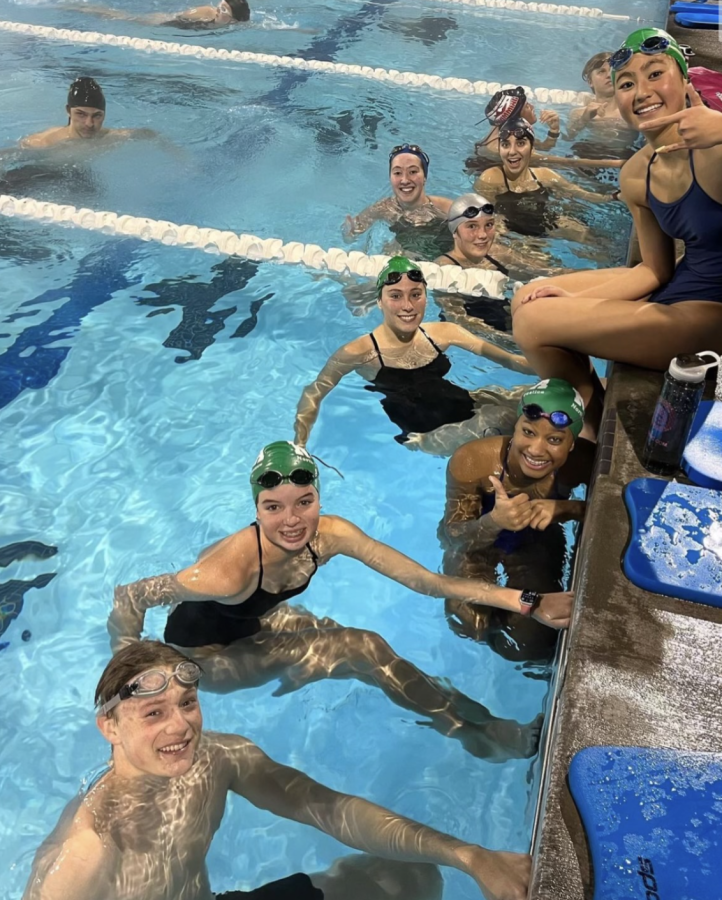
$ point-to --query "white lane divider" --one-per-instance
(477, 282)
(392, 76)
(547, 8)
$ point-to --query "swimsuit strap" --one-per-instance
(260, 555)
(506, 181)
(455, 261)
(430, 340)
(377, 348)
(649, 167)
(691, 164)
(502, 269)
(531, 172)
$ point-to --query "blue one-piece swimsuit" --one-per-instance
(695, 219)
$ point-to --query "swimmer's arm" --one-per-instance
(353, 226)
(77, 873)
(562, 186)
(41, 139)
(348, 540)
(469, 467)
(368, 827)
(343, 362)
(456, 336)
(489, 183)
(575, 162)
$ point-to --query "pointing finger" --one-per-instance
(662, 121)
(668, 148)
(498, 487)
(694, 97)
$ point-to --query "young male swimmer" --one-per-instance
(143, 829)
(230, 608)
(228, 12)
(86, 114)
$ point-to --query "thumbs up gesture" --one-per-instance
(699, 127)
(511, 513)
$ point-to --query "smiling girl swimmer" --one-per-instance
(646, 315)
(230, 609)
(404, 361)
(415, 217)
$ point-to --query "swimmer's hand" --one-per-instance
(699, 127)
(550, 118)
(499, 875)
(510, 513)
(348, 229)
(543, 513)
(549, 290)
(591, 111)
(555, 610)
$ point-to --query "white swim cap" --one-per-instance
(468, 206)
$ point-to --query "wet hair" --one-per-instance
(596, 62)
(86, 92)
(131, 661)
(240, 10)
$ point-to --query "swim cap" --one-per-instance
(649, 41)
(556, 395)
(398, 265)
(284, 458)
(466, 208)
(414, 150)
(505, 105)
(240, 10)
(519, 128)
(86, 92)
(596, 62)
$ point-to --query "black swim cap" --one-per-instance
(86, 92)
(240, 10)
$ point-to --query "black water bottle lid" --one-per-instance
(693, 367)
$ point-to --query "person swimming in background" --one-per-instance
(417, 219)
(472, 223)
(86, 114)
(523, 195)
(198, 18)
(230, 609)
(600, 121)
(407, 363)
(648, 314)
(505, 501)
(143, 827)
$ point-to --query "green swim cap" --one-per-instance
(655, 41)
(282, 458)
(395, 269)
(555, 395)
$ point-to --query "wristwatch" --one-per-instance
(529, 600)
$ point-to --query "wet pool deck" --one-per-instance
(641, 669)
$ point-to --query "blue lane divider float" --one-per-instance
(702, 460)
(653, 820)
(676, 540)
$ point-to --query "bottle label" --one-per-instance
(662, 422)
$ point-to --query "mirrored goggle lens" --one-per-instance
(650, 46)
(413, 275)
(299, 477)
(471, 212)
(620, 58)
(558, 418)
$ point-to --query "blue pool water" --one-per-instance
(130, 416)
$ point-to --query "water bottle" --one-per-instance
(675, 411)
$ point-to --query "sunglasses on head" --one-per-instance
(153, 682)
(650, 46)
(559, 418)
(395, 277)
(471, 212)
(299, 477)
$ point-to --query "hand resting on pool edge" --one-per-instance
(143, 829)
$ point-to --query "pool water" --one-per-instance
(138, 382)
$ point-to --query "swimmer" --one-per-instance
(230, 609)
(417, 219)
(228, 12)
(86, 114)
(144, 827)
(505, 499)
(522, 195)
(403, 361)
(607, 133)
(471, 222)
(648, 314)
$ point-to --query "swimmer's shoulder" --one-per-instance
(475, 461)
(45, 138)
(492, 175)
(358, 352)
(441, 203)
(633, 175)
(335, 535)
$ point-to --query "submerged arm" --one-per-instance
(341, 363)
(77, 872)
(356, 225)
(457, 336)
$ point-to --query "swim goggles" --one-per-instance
(559, 418)
(520, 132)
(299, 477)
(153, 682)
(395, 277)
(651, 46)
(416, 150)
(472, 212)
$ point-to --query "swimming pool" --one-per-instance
(139, 382)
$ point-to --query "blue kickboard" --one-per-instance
(687, 7)
(653, 820)
(695, 19)
(672, 528)
(702, 460)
